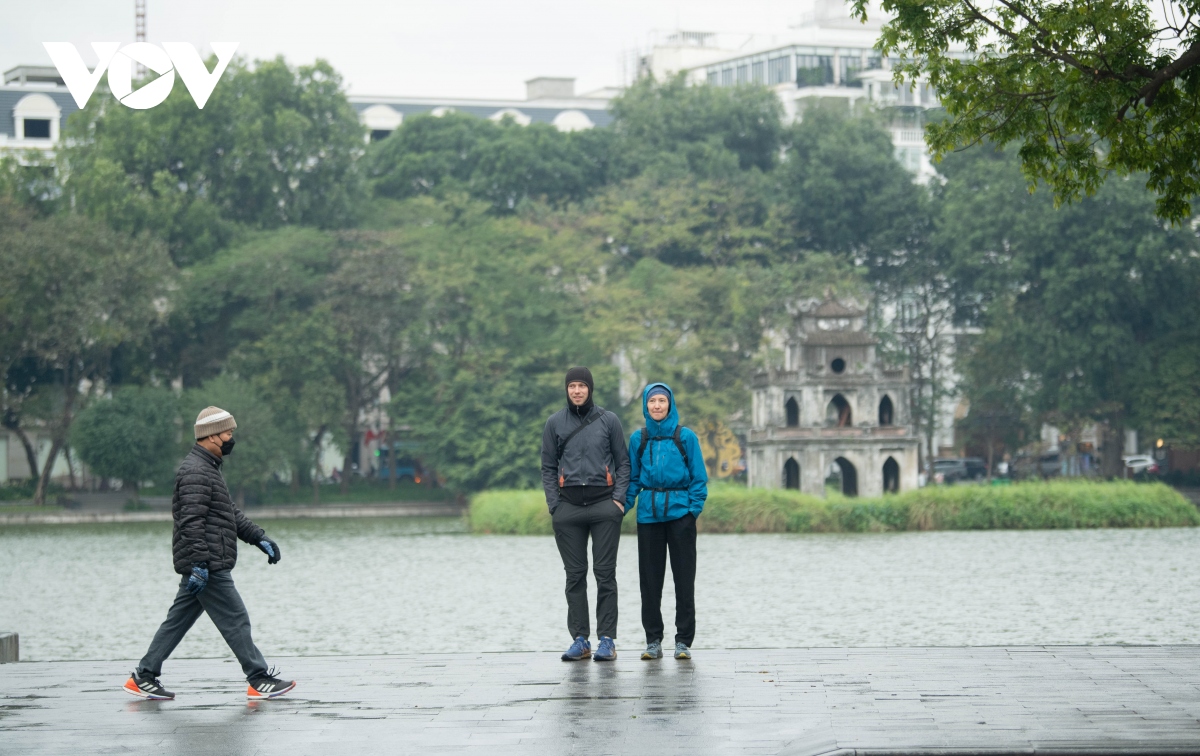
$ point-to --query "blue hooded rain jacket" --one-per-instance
(664, 487)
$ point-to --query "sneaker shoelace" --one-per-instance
(269, 677)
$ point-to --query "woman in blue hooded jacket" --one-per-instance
(668, 484)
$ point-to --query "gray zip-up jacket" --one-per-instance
(596, 456)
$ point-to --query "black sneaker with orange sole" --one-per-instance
(268, 686)
(147, 687)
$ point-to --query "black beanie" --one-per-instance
(581, 374)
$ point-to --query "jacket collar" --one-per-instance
(206, 455)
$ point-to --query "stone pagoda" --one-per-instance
(833, 408)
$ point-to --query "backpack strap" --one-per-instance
(562, 445)
(646, 439)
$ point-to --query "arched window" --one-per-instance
(793, 412)
(838, 412)
(887, 413)
(381, 121)
(849, 476)
(518, 117)
(37, 116)
(891, 476)
(572, 120)
(791, 474)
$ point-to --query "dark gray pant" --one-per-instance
(572, 526)
(225, 608)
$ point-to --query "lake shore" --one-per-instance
(26, 515)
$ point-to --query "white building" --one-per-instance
(827, 57)
(548, 100)
(34, 105)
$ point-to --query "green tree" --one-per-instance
(130, 436)
(994, 382)
(500, 319)
(687, 222)
(371, 301)
(1090, 297)
(262, 449)
(294, 368)
(676, 129)
(503, 164)
(1085, 89)
(429, 155)
(77, 292)
(240, 295)
(846, 193)
(274, 145)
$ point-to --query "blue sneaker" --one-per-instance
(607, 650)
(580, 649)
(682, 651)
(653, 651)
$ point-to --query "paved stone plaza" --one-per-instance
(1061, 700)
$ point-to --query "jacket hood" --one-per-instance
(668, 424)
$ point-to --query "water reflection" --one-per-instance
(403, 586)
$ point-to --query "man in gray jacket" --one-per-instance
(204, 547)
(585, 471)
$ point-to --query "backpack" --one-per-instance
(647, 438)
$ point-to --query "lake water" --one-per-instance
(403, 585)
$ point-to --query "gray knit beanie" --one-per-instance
(213, 420)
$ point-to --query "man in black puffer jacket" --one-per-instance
(204, 547)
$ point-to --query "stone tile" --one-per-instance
(800, 701)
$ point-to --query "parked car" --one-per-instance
(976, 468)
(1050, 465)
(950, 470)
(1140, 463)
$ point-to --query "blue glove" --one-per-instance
(198, 580)
(271, 549)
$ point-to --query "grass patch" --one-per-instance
(7, 509)
(1023, 506)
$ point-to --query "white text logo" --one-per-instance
(164, 61)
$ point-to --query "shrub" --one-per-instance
(1024, 506)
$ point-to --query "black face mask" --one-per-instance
(227, 447)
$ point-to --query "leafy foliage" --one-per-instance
(130, 436)
(274, 145)
(1083, 88)
(1084, 298)
(262, 445)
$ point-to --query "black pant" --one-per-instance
(654, 539)
(225, 608)
(572, 525)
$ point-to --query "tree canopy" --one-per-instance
(1085, 89)
(434, 286)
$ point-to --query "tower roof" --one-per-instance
(831, 308)
(838, 338)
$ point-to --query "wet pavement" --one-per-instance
(1062, 700)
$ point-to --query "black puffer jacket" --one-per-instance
(207, 524)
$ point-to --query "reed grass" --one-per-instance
(1022, 506)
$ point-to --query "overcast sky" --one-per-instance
(449, 48)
